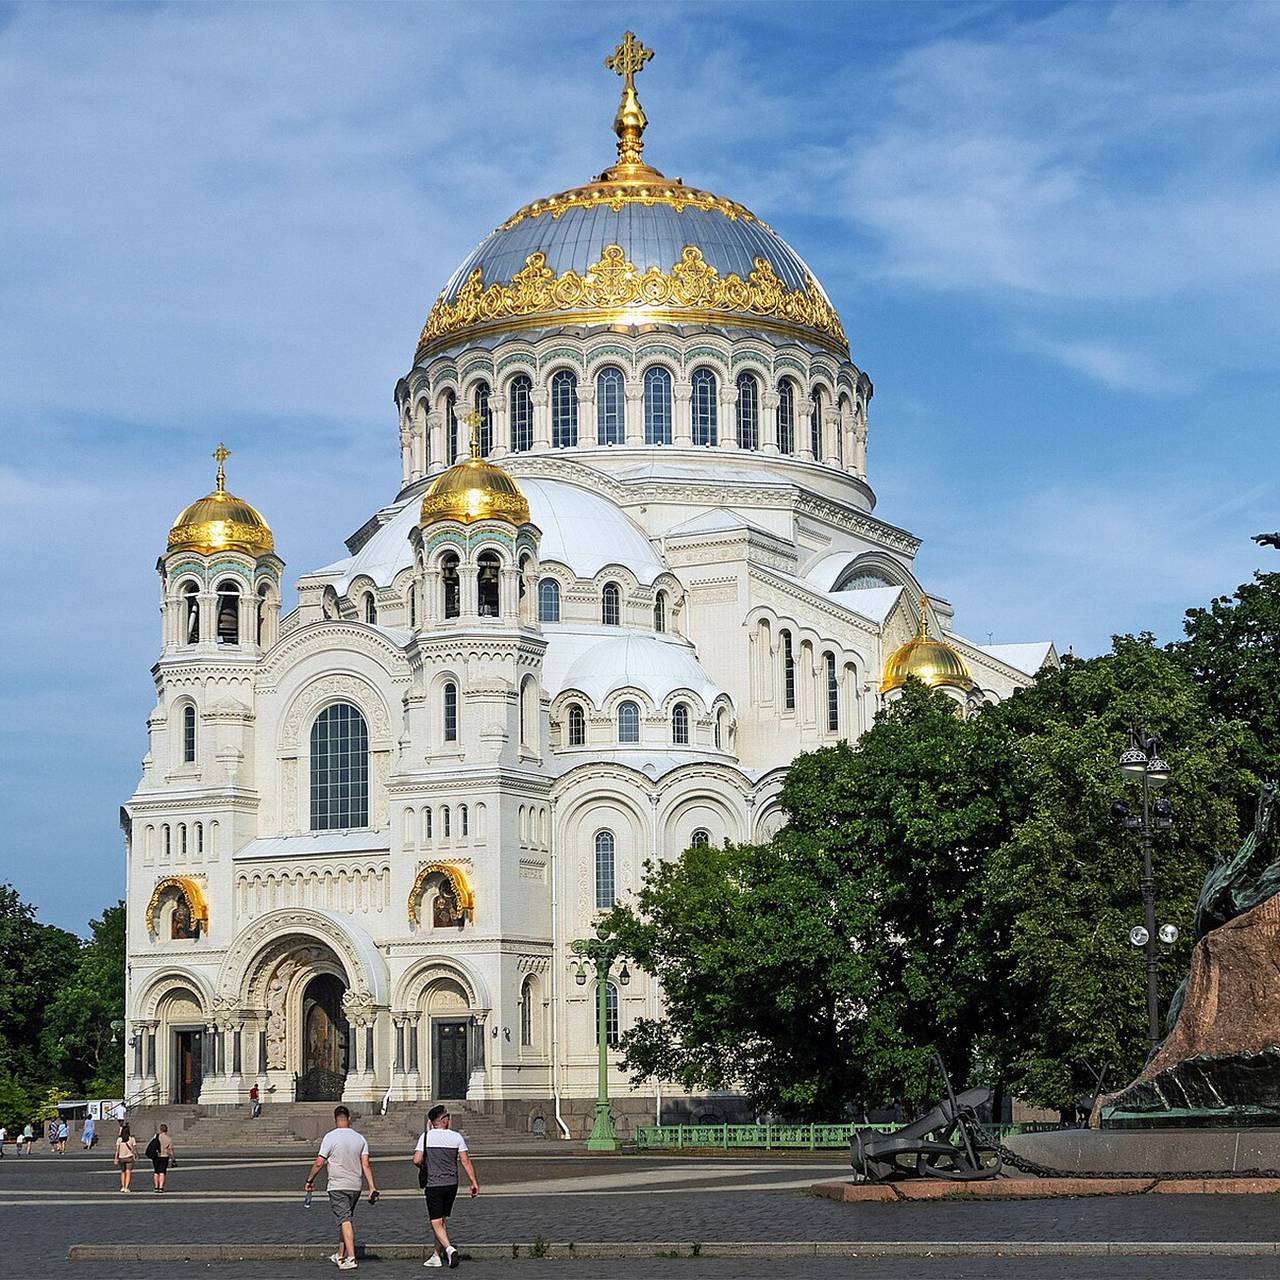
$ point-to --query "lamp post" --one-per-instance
(1141, 762)
(601, 951)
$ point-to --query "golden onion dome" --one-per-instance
(474, 489)
(221, 522)
(933, 662)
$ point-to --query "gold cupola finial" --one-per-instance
(629, 124)
(220, 455)
(220, 521)
(474, 421)
(934, 663)
(924, 617)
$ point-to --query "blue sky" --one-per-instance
(1050, 231)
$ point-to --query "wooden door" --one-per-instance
(451, 1059)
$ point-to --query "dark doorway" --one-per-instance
(189, 1066)
(451, 1059)
(325, 1041)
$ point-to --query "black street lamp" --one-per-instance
(1141, 762)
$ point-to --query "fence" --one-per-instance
(780, 1137)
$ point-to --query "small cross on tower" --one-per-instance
(629, 124)
(628, 58)
(221, 454)
(475, 420)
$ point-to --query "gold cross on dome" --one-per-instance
(628, 58)
(221, 454)
(475, 419)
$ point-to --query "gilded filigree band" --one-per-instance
(616, 195)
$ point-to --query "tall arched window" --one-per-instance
(680, 724)
(484, 431)
(444, 823)
(526, 1014)
(450, 427)
(487, 582)
(748, 411)
(370, 608)
(451, 585)
(704, 407)
(786, 416)
(548, 600)
(413, 606)
(564, 409)
(450, 712)
(191, 613)
(339, 769)
(833, 694)
(788, 672)
(529, 713)
(660, 611)
(701, 839)
(462, 820)
(815, 424)
(520, 397)
(719, 730)
(228, 629)
(657, 406)
(264, 596)
(610, 1017)
(577, 726)
(610, 605)
(605, 849)
(628, 722)
(611, 407)
(188, 734)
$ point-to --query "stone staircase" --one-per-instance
(300, 1125)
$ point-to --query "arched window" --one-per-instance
(168, 841)
(786, 416)
(748, 412)
(484, 431)
(228, 629)
(450, 713)
(188, 734)
(526, 1013)
(548, 600)
(191, 613)
(660, 611)
(182, 841)
(680, 724)
(452, 585)
(487, 576)
(339, 769)
(704, 407)
(450, 428)
(605, 849)
(426, 824)
(462, 819)
(370, 609)
(610, 1017)
(199, 839)
(657, 406)
(413, 606)
(444, 822)
(520, 395)
(610, 605)
(529, 713)
(719, 730)
(264, 596)
(577, 726)
(833, 694)
(701, 839)
(564, 409)
(628, 722)
(788, 672)
(611, 402)
(815, 424)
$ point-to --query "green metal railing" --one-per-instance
(779, 1137)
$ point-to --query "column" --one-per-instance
(398, 1024)
(831, 437)
(635, 411)
(500, 426)
(541, 419)
(509, 594)
(469, 596)
(435, 441)
(769, 423)
(235, 1051)
(727, 426)
(860, 447)
(406, 452)
(586, 415)
(804, 431)
(138, 1037)
(151, 1051)
(682, 415)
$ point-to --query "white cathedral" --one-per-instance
(631, 572)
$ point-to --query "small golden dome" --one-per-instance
(474, 489)
(933, 662)
(221, 522)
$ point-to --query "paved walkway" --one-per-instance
(51, 1203)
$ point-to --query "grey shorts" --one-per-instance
(343, 1204)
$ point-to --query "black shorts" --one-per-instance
(160, 1164)
(440, 1200)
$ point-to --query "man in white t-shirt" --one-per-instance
(346, 1156)
(4, 1137)
(437, 1155)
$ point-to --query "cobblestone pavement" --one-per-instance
(565, 1196)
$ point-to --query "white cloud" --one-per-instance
(1113, 366)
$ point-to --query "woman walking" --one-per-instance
(160, 1151)
(126, 1154)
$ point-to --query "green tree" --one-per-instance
(79, 1042)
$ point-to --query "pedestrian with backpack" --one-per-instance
(160, 1152)
(437, 1155)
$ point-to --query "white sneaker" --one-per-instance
(335, 1258)
(454, 1257)
(348, 1264)
(433, 1261)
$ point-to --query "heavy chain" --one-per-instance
(990, 1142)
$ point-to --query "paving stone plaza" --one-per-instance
(554, 1195)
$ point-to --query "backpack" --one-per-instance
(153, 1148)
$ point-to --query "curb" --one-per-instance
(1039, 1188)
(685, 1249)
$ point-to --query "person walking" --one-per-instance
(437, 1155)
(4, 1137)
(64, 1131)
(28, 1142)
(160, 1153)
(88, 1136)
(255, 1103)
(345, 1155)
(126, 1154)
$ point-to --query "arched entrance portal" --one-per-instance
(326, 1041)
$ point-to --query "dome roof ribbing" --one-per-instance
(221, 522)
(933, 662)
(472, 490)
